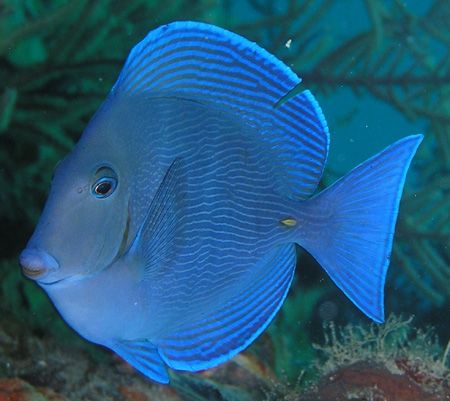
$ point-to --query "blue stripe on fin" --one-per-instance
(202, 62)
(300, 165)
(218, 337)
(143, 356)
(354, 223)
(235, 317)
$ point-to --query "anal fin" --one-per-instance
(223, 333)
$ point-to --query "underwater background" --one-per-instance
(380, 71)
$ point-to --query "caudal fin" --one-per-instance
(354, 222)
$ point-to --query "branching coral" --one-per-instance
(410, 70)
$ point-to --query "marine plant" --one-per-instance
(390, 362)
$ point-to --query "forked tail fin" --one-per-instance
(353, 222)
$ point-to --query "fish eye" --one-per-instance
(105, 182)
(104, 187)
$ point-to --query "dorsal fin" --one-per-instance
(202, 62)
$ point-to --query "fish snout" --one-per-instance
(36, 263)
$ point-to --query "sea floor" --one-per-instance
(359, 364)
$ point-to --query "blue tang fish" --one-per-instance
(169, 232)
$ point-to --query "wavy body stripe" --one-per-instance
(231, 215)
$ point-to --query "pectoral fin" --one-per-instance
(160, 234)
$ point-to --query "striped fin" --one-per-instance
(208, 64)
(221, 335)
(143, 356)
(159, 237)
(354, 242)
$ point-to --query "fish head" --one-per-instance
(84, 225)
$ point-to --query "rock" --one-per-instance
(131, 394)
(20, 390)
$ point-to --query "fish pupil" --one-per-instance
(105, 185)
(103, 188)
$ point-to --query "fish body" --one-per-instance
(169, 233)
(205, 209)
(218, 222)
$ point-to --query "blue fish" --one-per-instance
(169, 232)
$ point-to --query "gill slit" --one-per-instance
(123, 247)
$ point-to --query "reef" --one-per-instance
(391, 362)
(36, 367)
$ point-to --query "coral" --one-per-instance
(369, 382)
(291, 338)
(403, 60)
(131, 394)
(390, 362)
(396, 344)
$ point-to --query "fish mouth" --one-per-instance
(64, 280)
(33, 273)
(121, 251)
(37, 263)
(48, 283)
